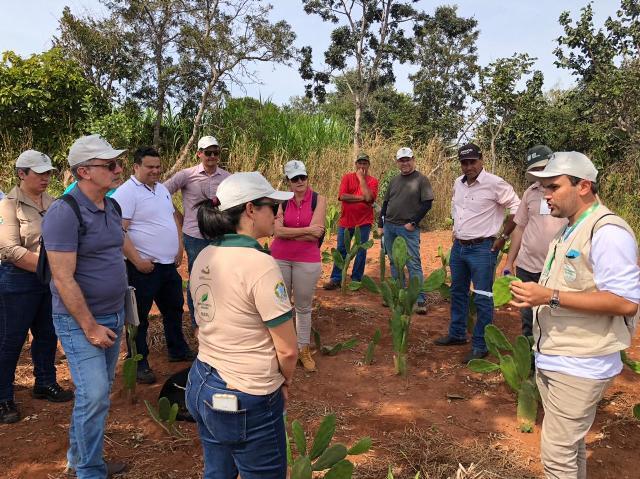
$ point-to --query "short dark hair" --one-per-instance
(24, 170)
(143, 151)
(575, 180)
(214, 223)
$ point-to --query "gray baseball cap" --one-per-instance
(91, 147)
(569, 163)
(34, 160)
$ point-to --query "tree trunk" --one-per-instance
(182, 156)
(159, 114)
(356, 127)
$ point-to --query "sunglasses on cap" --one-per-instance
(111, 166)
(274, 206)
(210, 153)
(298, 178)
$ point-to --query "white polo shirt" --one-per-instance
(153, 229)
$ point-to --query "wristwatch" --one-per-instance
(504, 237)
(555, 299)
(413, 223)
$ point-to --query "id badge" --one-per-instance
(544, 207)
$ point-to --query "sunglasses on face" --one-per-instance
(210, 153)
(274, 206)
(298, 178)
(111, 166)
(404, 160)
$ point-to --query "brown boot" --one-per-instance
(331, 285)
(304, 356)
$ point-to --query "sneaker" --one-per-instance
(331, 285)
(189, 356)
(474, 354)
(9, 412)
(449, 341)
(306, 360)
(420, 308)
(52, 393)
(113, 468)
(145, 376)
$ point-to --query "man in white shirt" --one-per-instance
(153, 250)
(585, 310)
(478, 211)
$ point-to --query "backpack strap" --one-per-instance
(115, 204)
(73, 204)
(314, 200)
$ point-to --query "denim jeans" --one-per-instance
(192, 246)
(361, 256)
(250, 441)
(164, 286)
(414, 265)
(25, 304)
(475, 263)
(526, 314)
(92, 369)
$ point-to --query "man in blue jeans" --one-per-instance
(88, 288)
(407, 201)
(358, 192)
(478, 210)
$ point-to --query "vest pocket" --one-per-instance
(227, 427)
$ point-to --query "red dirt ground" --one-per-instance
(440, 414)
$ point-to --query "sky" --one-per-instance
(506, 27)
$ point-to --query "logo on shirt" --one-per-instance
(281, 292)
(205, 306)
(205, 270)
(1, 220)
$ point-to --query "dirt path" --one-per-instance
(441, 414)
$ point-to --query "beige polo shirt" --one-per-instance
(20, 224)
(539, 229)
(238, 293)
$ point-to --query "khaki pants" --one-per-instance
(570, 406)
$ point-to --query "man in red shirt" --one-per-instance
(358, 191)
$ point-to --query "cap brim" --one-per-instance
(537, 164)
(296, 173)
(280, 195)
(42, 168)
(207, 146)
(546, 174)
(109, 154)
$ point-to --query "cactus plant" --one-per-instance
(368, 357)
(501, 291)
(516, 370)
(165, 415)
(322, 456)
(130, 365)
(333, 350)
(390, 474)
(401, 298)
(635, 367)
(352, 245)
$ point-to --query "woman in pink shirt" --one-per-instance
(299, 228)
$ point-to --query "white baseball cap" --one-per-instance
(91, 147)
(569, 163)
(206, 142)
(34, 160)
(404, 152)
(240, 188)
(294, 168)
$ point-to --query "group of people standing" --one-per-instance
(578, 264)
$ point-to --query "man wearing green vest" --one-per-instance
(585, 310)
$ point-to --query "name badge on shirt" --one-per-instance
(570, 273)
(544, 207)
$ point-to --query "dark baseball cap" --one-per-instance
(363, 157)
(470, 151)
(538, 156)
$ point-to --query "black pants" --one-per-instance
(164, 286)
(526, 314)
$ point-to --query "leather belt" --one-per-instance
(472, 241)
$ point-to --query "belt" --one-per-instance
(471, 241)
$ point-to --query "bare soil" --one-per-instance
(439, 416)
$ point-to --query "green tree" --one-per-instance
(369, 40)
(445, 49)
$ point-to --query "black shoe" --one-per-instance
(420, 308)
(52, 393)
(188, 356)
(331, 285)
(145, 376)
(474, 354)
(113, 468)
(9, 412)
(449, 341)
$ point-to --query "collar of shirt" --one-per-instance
(17, 194)
(478, 179)
(86, 202)
(201, 169)
(238, 241)
(139, 183)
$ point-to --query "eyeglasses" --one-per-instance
(298, 178)
(111, 166)
(210, 153)
(274, 206)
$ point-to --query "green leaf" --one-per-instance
(288, 441)
(164, 408)
(152, 411)
(482, 366)
(634, 365)
(636, 411)
(527, 408)
(338, 260)
(340, 470)
(323, 436)
(509, 372)
(129, 374)
(316, 339)
(347, 239)
(301, 468)
(399, 254)
(445, 291)
(355, 285)
(360, 447)
(367, 244)
(369, 284)
(326, 257)
(298, 437)
(173, 413)
(522, 356)
(501, 291)
(435, 280)
(330, 456)
(497, 339)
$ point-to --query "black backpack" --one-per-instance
(314, 203)
(43, 272)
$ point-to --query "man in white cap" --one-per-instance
(585, 310)
(197, 183)
(406, 202)
(535, 229)
(84, 239)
